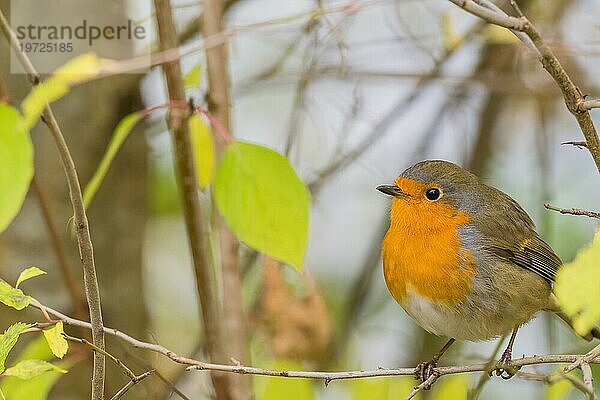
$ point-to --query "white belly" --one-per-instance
(462, 323)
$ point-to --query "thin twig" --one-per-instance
(233, 335)
(423, 386)
(514, 5)
(130, 384)
(63, 264)
(553, 378)
(576, 144)
(586, 358)
(573, 211)
(84, 240)
(114, 359)
(587, 105)
(170, 383)
(192, 209)
(168, 55)
(379, 130)
(571, 93)
(588, 380)
(491, 16)
(328, 376)
(133, 378)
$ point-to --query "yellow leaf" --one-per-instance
(57, 343)
(29, 273)
(16, 164)
(193, 78)
(79, 69)
(76, 70)
(204, 150)
(577, 288)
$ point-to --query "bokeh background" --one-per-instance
(352, 95)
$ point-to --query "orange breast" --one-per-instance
(422, 251)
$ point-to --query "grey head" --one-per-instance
(460, 188)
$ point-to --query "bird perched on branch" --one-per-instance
(463, 258)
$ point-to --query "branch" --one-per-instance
(130, 384)
(589, 104)
(133, 378)
(326, 376)
(587, 357)
(553, 378)
(171, 54)
(73, 288)
(576, 144)
(84, 241)
(588, 380)
(571, 93)
(380, 129)
(573, 211)
(492, 16)
(233, 331)
(192, 210)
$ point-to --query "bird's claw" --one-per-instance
(504, 367)
(424, 371)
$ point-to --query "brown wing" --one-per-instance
(532, 254)
(509, 233)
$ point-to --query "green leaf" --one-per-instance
(36, 348)
(8, 340)
(16, 164)
(79, 69)
(13, 297)
(192, 78)
(55, 339)
(203, 147)
(36, 388)
(120, 133)
(264, 202)
(276, 388)
(29, 273)
(31, 368)
(577, 288)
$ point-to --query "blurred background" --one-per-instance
(352, 92)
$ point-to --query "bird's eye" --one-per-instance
(433, 194)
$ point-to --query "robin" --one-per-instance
(464, 260)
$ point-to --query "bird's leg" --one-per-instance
(425, 369)
(505, 370)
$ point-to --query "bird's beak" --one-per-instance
(392, 190)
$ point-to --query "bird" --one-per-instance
(464, 260)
